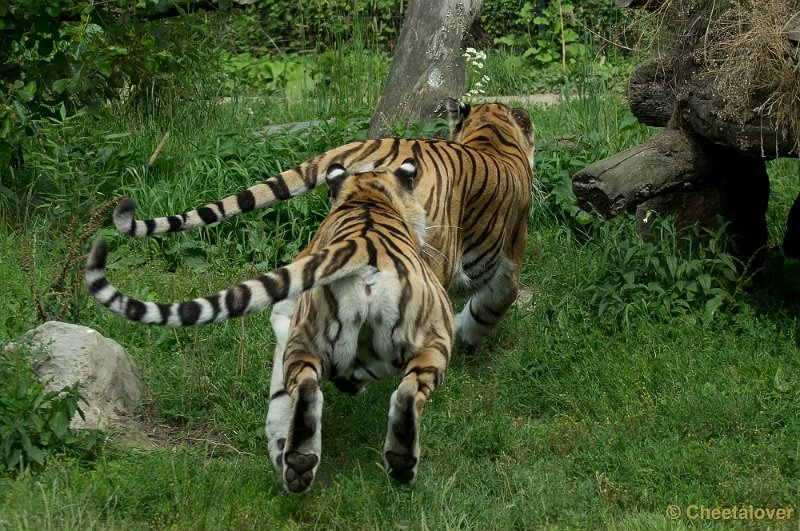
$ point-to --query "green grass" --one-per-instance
(563, 419)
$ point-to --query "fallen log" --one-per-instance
(686, 177)
(655, 101)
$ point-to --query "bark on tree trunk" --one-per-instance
(687, 177)
(427, 66)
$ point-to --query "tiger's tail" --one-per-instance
(290, 183)
(319, 268)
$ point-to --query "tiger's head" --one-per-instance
(468, 122)
(380, 186)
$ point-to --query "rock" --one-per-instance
(98, 365)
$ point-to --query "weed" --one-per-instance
(571, 136)
(59, 300)
(664, 273)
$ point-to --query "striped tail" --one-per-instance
(315, 269)
(290, 183)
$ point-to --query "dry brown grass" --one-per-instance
(758, 68)
(745, 43)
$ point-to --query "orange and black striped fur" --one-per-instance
(476, 190)
(364, 304)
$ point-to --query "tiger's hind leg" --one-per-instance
(486, 307)
(279, 410)
(401, 449)
(303, 448)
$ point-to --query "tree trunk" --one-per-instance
(655, 100)
(427, 66)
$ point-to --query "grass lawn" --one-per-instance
(563, 419)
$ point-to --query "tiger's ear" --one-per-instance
(523, 119)
(335, 177)
(456, 112)
(407, 174)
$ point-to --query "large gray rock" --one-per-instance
(81, 356)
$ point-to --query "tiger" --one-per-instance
(475, 188)
(367, 305)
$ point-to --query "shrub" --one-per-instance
(35, 422)
(79, 54)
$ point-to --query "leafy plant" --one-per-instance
(585, 129)
(665, 273)
(78, 54)
(33, 421)
(291, 25)
(292, 75)
(554, 41)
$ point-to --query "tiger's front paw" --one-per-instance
(470, 331)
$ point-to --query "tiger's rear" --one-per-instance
(392, 318)
(363, 304)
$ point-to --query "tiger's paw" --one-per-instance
(401, 467)
(470, 332)
(401, 449)
(299, 471)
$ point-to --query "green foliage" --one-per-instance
(296, 76)
(663, 274)
(536, 26)
(587, 129)
(77, 54)
(35, 422)
(292, 25)
(551, 40)
(291, 76)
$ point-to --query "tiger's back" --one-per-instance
(476, 191)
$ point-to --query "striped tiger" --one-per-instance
(367, 305)
(476, 190)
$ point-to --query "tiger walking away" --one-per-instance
(365, 304)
